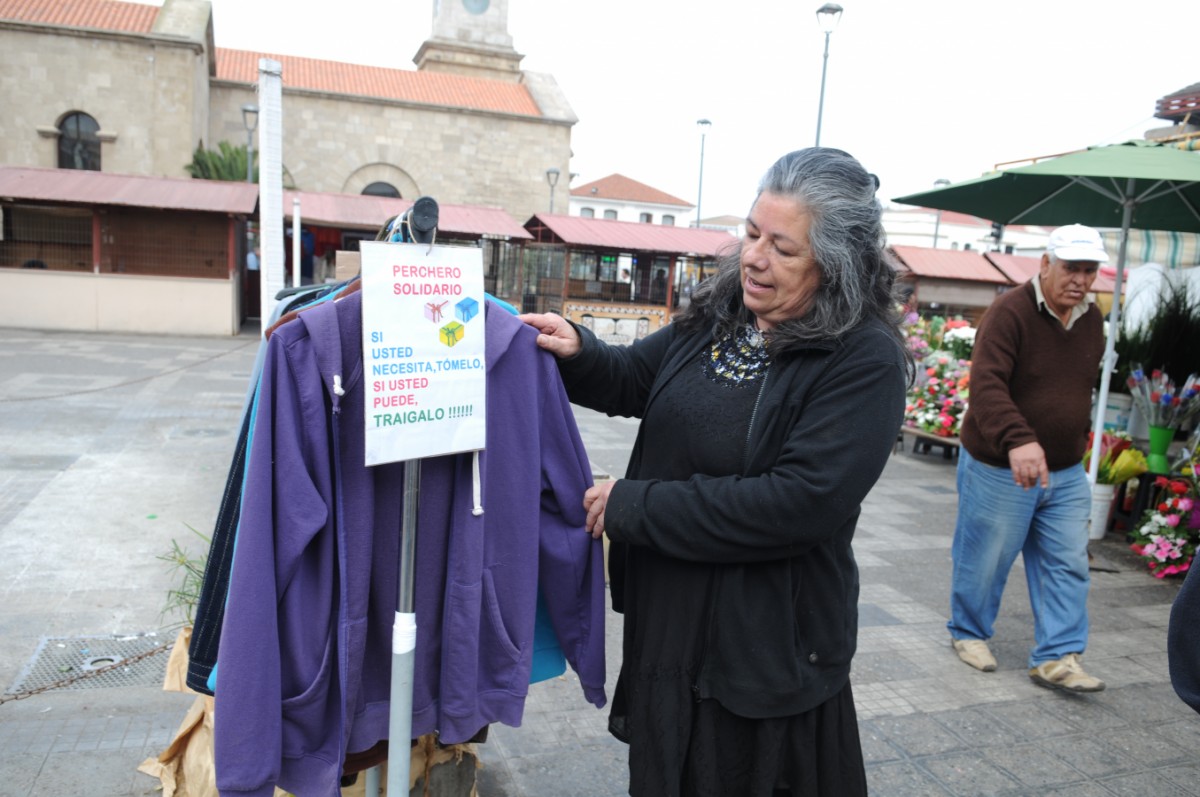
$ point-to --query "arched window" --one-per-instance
(382, 189)
(587, 213)
(78, 144)
(610, 214)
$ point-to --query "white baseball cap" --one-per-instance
(1076, 242)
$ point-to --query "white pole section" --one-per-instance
(270, 185)
(296, 242)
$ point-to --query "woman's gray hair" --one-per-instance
(847, 240)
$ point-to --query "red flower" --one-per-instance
(1163, 507)
(1179, 488)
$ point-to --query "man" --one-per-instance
(1021, 485)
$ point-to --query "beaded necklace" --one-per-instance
(738, 357)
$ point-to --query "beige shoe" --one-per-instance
(1066, 673)
(975, 652)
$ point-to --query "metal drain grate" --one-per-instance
(62, 658)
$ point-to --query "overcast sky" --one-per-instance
(915, 90)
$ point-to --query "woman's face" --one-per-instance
(779, 275)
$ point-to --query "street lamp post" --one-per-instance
(552, 178)
(703, 124)
(941, 182)
(250, 120)
(827, 17)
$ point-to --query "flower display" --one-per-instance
(938, 398)
(1160, 401)
(1119, 461)
(1167, 535)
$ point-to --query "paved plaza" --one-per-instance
(113, 446)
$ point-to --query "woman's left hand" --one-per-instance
(594, 501)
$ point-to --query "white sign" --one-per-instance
(423, 350)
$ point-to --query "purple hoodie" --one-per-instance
(306, 643)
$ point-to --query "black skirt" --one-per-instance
(707, 751)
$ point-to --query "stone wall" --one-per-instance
(148, 94)
(339, 144)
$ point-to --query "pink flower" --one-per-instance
(1185, 504)
(1172, 520)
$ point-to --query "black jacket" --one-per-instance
(782, 604)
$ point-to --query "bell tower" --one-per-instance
(470, 37)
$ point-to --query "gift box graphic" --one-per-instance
(467, 309)
(433, 311)
(452, 333)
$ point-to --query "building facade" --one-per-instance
(621, 198)
(133, 89)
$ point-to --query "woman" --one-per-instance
(769, 407)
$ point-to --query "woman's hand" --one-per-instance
(594, 501)
(557, 336)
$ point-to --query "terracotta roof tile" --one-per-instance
(100, 14)
(623, 189)
(335, 77)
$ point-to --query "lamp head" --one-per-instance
(250, 116)
(828, 16)
(552, 176)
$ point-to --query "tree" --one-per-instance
(226, 163)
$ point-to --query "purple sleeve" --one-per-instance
(571, 563)
(282, 512)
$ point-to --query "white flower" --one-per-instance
(960, 333)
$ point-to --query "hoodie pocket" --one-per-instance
(309, 716)
(479, 652)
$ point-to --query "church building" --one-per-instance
(129, 88)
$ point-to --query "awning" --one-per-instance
(960, 264)
(366, 212)
(82, 187)
(1020, 269)
(627, 236)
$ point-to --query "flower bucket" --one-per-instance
(1102, 501)
(1160, 441)
(1116, 412)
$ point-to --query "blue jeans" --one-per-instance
(996, 520)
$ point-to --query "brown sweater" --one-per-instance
(1031, 380)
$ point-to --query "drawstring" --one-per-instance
(337, 385)
(476, 487)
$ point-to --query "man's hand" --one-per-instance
(1028, 463)
(557, 336)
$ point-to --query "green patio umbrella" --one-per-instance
(1138, 184)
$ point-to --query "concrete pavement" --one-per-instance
(113, 446)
